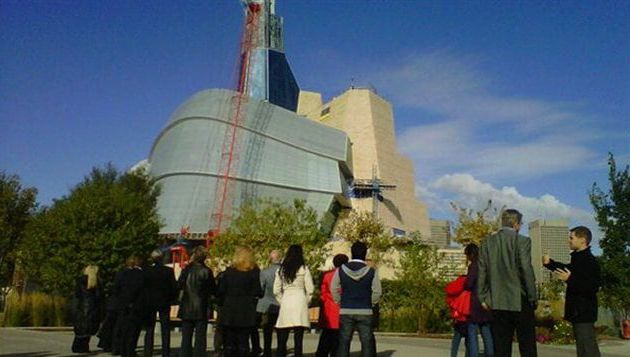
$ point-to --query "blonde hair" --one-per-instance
(243, 259)
(91, 271)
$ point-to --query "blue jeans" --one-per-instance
(361, 323)
(457, 337)
(486, 335)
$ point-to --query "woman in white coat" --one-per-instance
(293, 288)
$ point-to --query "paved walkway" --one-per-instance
(29, 342)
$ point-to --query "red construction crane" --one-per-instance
(220, 214)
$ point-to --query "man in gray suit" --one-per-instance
(268, 307)
(507, 286)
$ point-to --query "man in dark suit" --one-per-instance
(583, 279)
(129, 290)
(507, 286)
(161, 290)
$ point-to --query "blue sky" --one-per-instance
(515, 101)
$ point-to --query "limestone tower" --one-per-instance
(368, 121)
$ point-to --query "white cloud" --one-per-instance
(470, 192)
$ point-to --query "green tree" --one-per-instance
(420, 272)
(363, 226)
(17, 204)
(473, 226)
(104, 219)
(266, 225)
(612, 212)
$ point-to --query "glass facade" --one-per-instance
(281, 155)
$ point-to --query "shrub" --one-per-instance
(401, 312)
(562, 333)
(35, 309)
(42, 309)
(17, 310)
(60, 309)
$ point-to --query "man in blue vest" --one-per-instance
(356, 288)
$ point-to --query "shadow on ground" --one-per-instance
(29, 354)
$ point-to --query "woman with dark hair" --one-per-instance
(329, 313)
(239, 289)
(88, 309)
(479, 317)
(197, 283)
(293, 288)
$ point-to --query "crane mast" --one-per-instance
(221, 212)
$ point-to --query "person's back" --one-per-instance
(268, 300)
(293, 287)
(502, 287)
(357, 288)
(197, 283)
(130, 289)
(161, 286)
(506, 285)
(267, 308)
(161, 292)
(239, 290)
(356, 284)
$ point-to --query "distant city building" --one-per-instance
(375, 161)
(548, 236)
(440, 233)
(452, 261)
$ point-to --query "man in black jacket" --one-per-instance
(197, 283)
(583, 281)
(129, 291)
(161, 290)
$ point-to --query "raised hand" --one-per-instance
(563, 274)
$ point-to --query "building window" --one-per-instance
(325, 112)
(398, 232)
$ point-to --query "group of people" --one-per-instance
(497, 296)
(137, 296)
(276, 299)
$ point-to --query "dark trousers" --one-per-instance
(128, 327)
(199, 328)
(328, 343)
(585, 339)
(283, 337)
(255, 335)
(506, 322)
(106, 335)
(267, 321)
(81, 344)
(363, 325)
(236, 341)
(165, 328)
